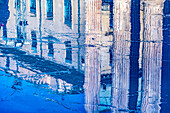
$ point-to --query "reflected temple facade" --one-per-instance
(113, 54)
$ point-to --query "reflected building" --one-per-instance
(60, 21)
(152, 56)
(121, 53)
(48, 18)
(64, 29)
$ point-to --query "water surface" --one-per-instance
(84, 56)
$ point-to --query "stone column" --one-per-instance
(92, 56)
(152, 56)
(121, 52)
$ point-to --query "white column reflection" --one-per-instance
(152, 56)
(92, 57)
(121, 52)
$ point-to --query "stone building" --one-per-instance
(48, 28)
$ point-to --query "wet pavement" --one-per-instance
(84, 56)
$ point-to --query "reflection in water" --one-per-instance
(34, 41)
(68, 58)
(20, 38)
(7, 62)
(165, 80)
(92, 57)
(134, 55)
(50, 9)
(94, 44)
(50, 48)
(23, 72)
(4, 15)
(33, 6)
(68, 13)
(92, 79)
(121, 52)
(152, 56)
(20, 22)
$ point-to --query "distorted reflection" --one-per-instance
(135, 76)
(92, 57)
(50, 48)
(34, 41)
(33, 6)
(68, 58)
(68, 13)
(49, 8)
(7, 62)
(4, 15)
(87, 56)
(121, 52)
(152, 57)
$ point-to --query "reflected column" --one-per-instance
(121, 52)
(92, 56)
(152, 56)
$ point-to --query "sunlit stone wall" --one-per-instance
(152, 56)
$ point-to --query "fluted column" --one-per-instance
(92, 56)
(152, 56)
(121, 52)
(92, 79)
(93, 21)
